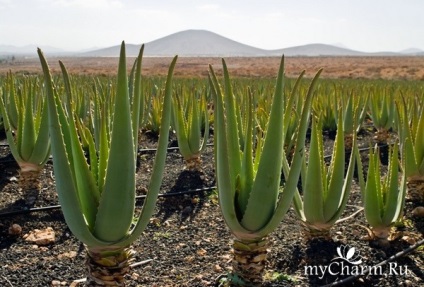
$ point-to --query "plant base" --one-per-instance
(29, 182)
(194, 163)
(249, 261)
(379, 236)
(313, 232)
(108, 268)
(381, 136)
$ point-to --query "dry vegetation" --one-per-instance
(408, 68)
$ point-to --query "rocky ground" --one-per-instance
(187, 242)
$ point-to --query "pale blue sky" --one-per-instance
(364, 25)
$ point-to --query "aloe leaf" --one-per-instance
(26, 139)
(291, 101)
(13, 105)
(137, 99)
(225, 181)
(247, 173)
(65, 183)
(84, 180)
(419, 144)
(206, 126)
(347, 184)
(297, 198)
(94, 160)
(334, 195)
(313, 196)
(9, 135)
(393, 203)
(181, 128)
(118, 196)
(195, 126)
(103, 151)
(231, 127)
(41, 150)
(372, 196)
(292, 179)
(265, 189)
(159, 163)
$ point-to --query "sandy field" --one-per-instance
(408, 68)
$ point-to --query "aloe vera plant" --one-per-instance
(354, 111)
(326, 106)
(247, 185)
(325, 189)
(190, 117)
(382, 113)
(153, 118)
(383, 198)
(98, 200)
(412, 139)
(26, 125)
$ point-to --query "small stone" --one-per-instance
(189, 259)
(199, 276)
(70, 254)
(55, 283)
(41, 237)
(155, 221)
(13, 179)
(201, 252)
(195, 200)
(418, 211)
(409, 239)
(217, 268)
(15, 229)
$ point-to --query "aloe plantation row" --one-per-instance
(267, 134)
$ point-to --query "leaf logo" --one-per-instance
(347, 254)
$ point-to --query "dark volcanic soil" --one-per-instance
(187, 240)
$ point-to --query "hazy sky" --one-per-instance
(364, 25)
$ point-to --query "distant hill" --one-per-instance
(318, 50)
(413, 51)
(29, 50)
(202, 43)
(187, 43)
(205, 43)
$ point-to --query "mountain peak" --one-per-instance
(199, 43)
(204, 43)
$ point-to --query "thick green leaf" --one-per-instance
(84, 180)
(286, 197)
(159, 164)
(372, 195)
(137, 107)
(335, 193)
(313, 196)
(231, 126)
(393, 204)
(265, 189)
(26, 138)
(225, 182)
(41, 151)
(118, 196)
(247, 172)
(65, 183)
